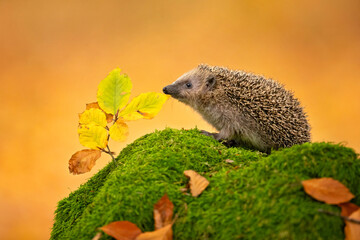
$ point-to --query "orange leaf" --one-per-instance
(327, 190)
(83, 161)
(163, 212)
(160, 234)
(348, 208)
(352, 230)
(122, 230)
(197, 182)
(109, 117)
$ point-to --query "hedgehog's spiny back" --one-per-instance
(278, 113)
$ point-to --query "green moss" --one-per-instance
(255, 197)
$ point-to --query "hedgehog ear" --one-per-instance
(210, 82)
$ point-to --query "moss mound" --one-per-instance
(255, 197)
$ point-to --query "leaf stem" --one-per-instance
(116, 116)
(108, 151)
(338, 215)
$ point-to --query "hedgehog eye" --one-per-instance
(188, 85)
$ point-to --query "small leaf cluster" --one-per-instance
(112, 108)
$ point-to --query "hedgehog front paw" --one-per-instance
(206, 133)
(209, 134)
(216, 136)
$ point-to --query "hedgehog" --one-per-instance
(246, 109)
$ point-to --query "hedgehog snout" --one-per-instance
(165, 90)
(170, 89)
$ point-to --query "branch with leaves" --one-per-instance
(112, 108)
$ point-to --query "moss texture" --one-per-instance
(255, 197)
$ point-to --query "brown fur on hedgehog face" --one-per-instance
(190, 86)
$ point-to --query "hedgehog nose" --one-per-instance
(165, 90)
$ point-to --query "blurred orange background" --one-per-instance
(53, 54)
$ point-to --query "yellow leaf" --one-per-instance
(119, 131)
(93, 136)
(109, 117)
(93, 115)
(146, 105)
(83, 161)
(114, 91)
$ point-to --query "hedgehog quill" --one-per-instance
(245, 108)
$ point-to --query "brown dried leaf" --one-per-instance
(348, 208)
(163, 212)
(197, 182)
(327, 190)
(109, 117)
(122, 230)
(164, 233)
(352, 230)
(83, 161)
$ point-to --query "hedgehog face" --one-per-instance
(190, 86)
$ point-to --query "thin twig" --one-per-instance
(338, 215)
(110, 153)
(116, 116)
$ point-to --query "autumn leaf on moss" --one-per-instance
(159, 234)
(163, 212)
(327, 190)
(93, 136)
(119, 131)
(197, 182)
(146, 105)
(114, 91)
(83, 161)
(352, 230)
(348, 208)
(109, 117)
(93, 116)
(121, 230)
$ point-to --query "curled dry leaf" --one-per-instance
(197, 182)
(348, 208)
(122, 230)
(163, 212)
(352, 230)
(109, 117)
(160, 234)
(83, 161)
(327, 190)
